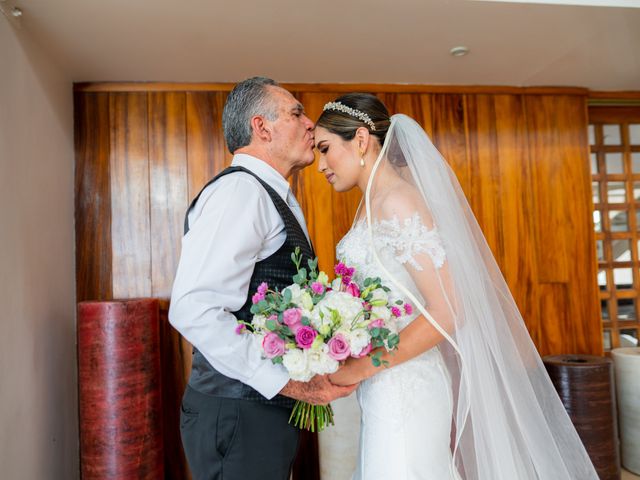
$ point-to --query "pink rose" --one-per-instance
(338, 347)
(408, 309)
(273, 345)
(257, 297)
(240, 329)
(262, 289)
(396, 312)
(305, 336)
(292, 318)
(317, 288)
(353, 289)
(365, 351)
(378, 323)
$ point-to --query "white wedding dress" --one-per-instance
(406, 411)
(486, 377)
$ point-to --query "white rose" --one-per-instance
(380, 312)
(347, 306)
(358, 339)
(336, 284)
(259, 322)
(321, 363)
(296, 293)
(297, 364)
(306, 302)
(379, 294)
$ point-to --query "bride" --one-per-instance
(466, 395)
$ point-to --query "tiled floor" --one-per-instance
(629, 476)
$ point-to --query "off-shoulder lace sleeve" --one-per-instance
(410, 237)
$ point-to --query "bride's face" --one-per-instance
(339, 160)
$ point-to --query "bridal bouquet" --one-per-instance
(314, 324)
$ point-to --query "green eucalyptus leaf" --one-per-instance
(271, 325)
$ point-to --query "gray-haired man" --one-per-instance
(240, 231)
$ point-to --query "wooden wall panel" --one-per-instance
(92, 197)
(564, 241)
(167, 186)
(450, 135)
(207, 151)
(130, 195)
(517, 247)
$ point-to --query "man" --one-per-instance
(240, 231)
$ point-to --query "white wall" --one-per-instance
(38, 399)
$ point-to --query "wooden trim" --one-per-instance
(328, 87)
(619, 95)
(609, 114)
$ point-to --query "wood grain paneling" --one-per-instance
(565, 243)
(207, 152)
(92, 197)
(167, 186)
(130, 194)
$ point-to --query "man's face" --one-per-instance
(292, 133)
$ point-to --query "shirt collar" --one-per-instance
(264, 171)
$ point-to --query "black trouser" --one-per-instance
(232, 439)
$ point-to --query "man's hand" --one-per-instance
(318, 391)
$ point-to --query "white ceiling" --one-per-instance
(369, 41)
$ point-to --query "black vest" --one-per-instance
(277, 271)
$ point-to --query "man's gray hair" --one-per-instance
(247, 99)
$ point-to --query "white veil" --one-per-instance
(508, 421)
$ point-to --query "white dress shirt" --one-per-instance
(233, 225)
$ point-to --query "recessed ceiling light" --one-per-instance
(460, 51)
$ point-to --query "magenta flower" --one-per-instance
(378, 323)
(257, 298)
(338, 347)
(396, 312)
(408, 309)
(240, 329)
(346, 280)
(364, 351)
(317, 288)
(353, 289)
(305, 336)
(262, 289)
(273, 345)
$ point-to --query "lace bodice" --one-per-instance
(399, 241)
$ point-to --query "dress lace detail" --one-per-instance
(411, 237)
(403, 239)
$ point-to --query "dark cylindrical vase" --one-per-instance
(586, 387)
(119, 390)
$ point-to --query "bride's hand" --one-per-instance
(353, 371)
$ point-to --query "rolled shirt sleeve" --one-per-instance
(228, 229)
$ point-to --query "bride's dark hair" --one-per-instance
(345, 125)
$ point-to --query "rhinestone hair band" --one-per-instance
(350, 111)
